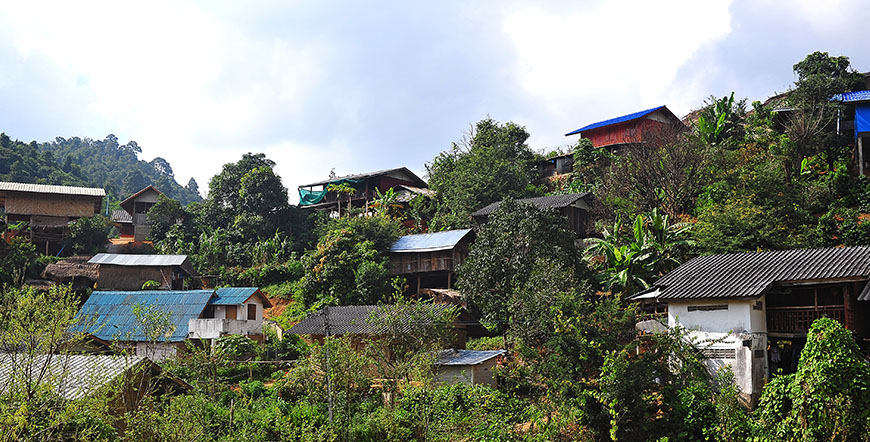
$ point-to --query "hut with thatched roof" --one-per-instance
(75, 270)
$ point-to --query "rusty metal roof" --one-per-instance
(739, 275)
(48, 188)
(541, 202)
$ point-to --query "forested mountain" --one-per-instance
(85, 162)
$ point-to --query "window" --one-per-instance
(252, 312)
(707, 308)
(720, 353)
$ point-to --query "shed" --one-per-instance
(857, 104)
(405, 183)
(130, 272)
(75, 270)
(471, 367)
(628, 129)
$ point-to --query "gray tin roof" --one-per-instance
(71, 376)
(466, 357)
(738, 275)
(47, 188)
(541, 202)
(429, 242)
(376, 319)
(138, 260)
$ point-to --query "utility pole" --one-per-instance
(328, 369)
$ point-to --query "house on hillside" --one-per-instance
(130, 272)
(555, 165)
(429, 260)
(633, 128)
(132, 221)
(47, 210)
(375, 320)
(191, 314)
(472, 367)
(855, 117)
(575, 207)
(77, 376)
(752, 310)
(405, 185)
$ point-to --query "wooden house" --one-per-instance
(203, 315)
(48, 209)
(132, 221)
(405, 184)
(375, 320)
(575, 207)
(429, 260)
(130, 272)
(633, 128)
(741, 307)
(855, 118)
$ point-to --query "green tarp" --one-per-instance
(309, 197)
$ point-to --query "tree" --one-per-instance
(517, 241)
(350, 265)
(490, 163)
(721, 120)
(828, 398)
(88, 235)
(164, 214)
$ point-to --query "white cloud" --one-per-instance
(611, 54)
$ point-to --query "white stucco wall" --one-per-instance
(220, 311)
(727, 331)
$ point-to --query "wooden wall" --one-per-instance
(52, 204)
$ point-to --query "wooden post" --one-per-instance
(449, 278)
(418, 284)
(860, 157)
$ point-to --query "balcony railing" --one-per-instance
(799, 319)
(215, 328)
(421, 265)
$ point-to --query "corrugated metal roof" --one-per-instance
(466, 357)
(851, 97)
(115, 318)
(429, 242)
(541, 202)
(47, 188)
(71, 376)
(616, 120)
(138, 260)
(751, 274)
(361, 176)
(375, 319)
(235, 296)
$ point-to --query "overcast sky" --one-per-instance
(361, 86)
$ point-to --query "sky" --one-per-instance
(361, 86)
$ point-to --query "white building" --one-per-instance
(738, 306)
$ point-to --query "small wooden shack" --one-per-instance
(132, 222)
(130, 272)
(47, 209)
(575, 207)
(405, 184)
(429, 260)
(470, 367)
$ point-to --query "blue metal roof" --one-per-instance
(851, 97)
(616, 120)
(115, 319)
(429, 242)
(232, 295)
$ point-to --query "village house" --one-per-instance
(47, 210)
(131, 272)
(575, 207)
(405, 185)
(555, 166)
(372, 320)
(633, 128)
(854, 117)
(204, 315)
(751, 311)
(429, 260)
(132, 222)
